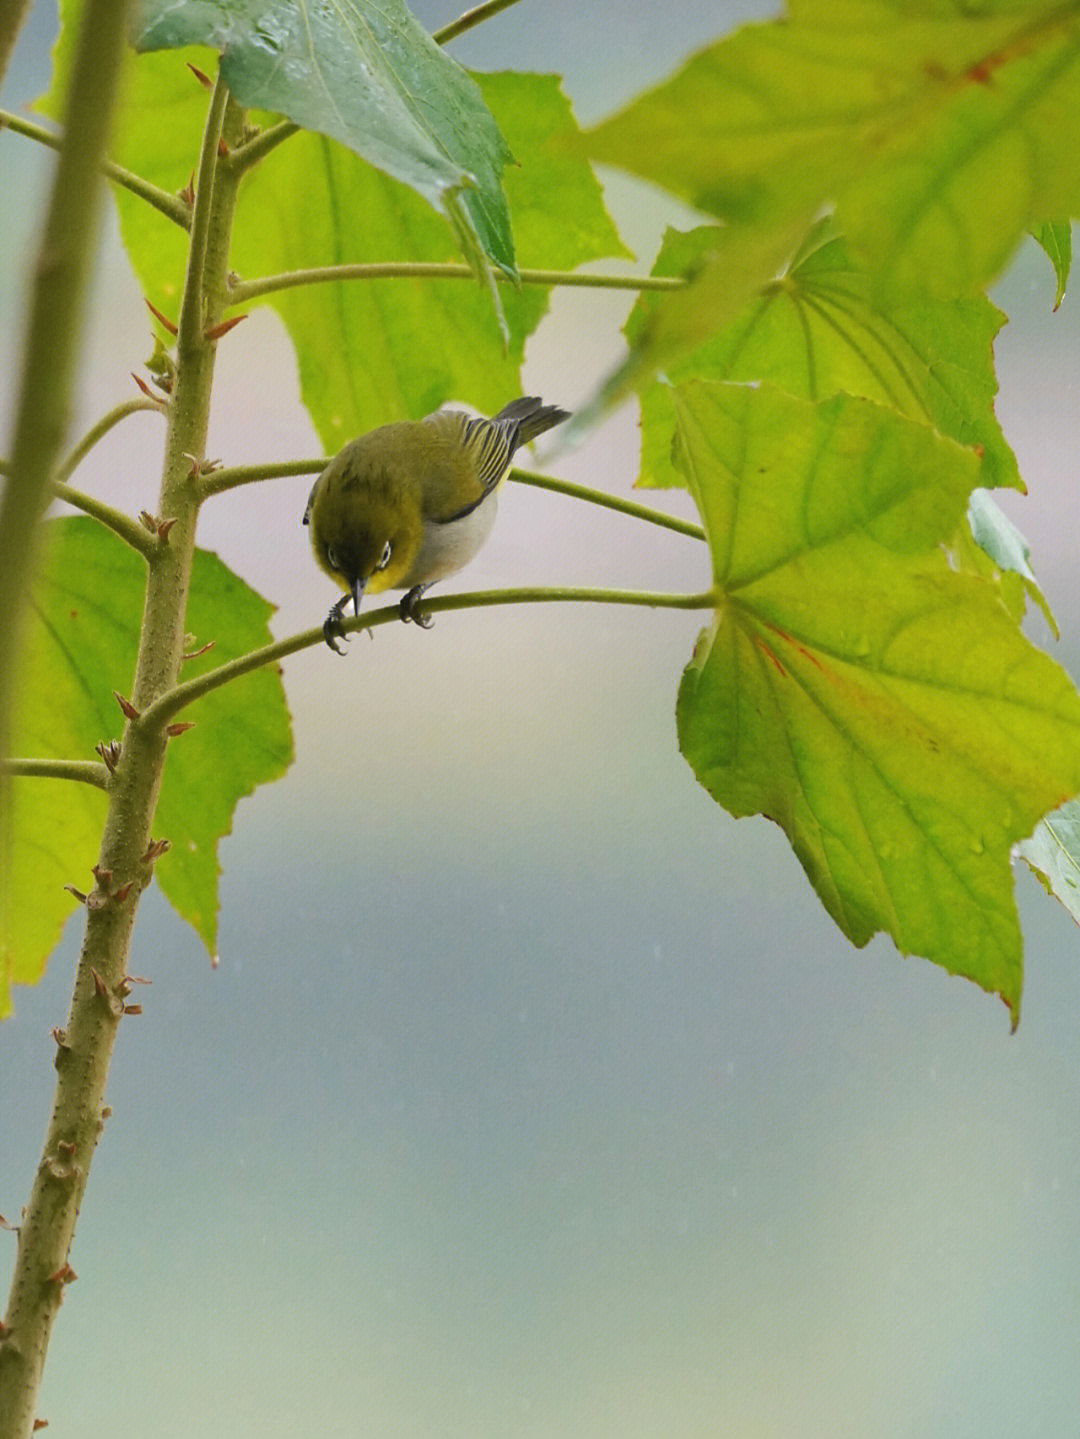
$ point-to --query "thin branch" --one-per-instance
(608, 502)
(470, 18)
(101, 429)
(122, 525)
(221, 481)
(260, 145)
(233, 476)
(173, 701)
(171, 206)
(244, 291)
(81, 770)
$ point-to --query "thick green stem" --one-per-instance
(126, 857)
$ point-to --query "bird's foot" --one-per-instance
(332, 626)
(409, 608)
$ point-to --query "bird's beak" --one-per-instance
(357, 589)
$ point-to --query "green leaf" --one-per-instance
(367, 351)
(1053, 852)
(819, 331)
(1056, 240)
(999, 539)
(81, 644)
(880, 706)
(941, 133)
(368, 75)
(371, 351)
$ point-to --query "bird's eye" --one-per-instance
(331, 558)
(384, 558)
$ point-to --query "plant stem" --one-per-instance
(250, 152)
(244, 291)
(472, 17)
(125, 862)
(122, 525)
(83, 770)
(608, 502)
(101, 429)
(12, 15)
(64, 265)
(170, 704)
(171, 206)
(219, 482)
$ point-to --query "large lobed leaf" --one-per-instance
(367, 351)
(819, 330)
(940, 133)
(880, 706)
(366, 74)
(382, 349)
(81, 647)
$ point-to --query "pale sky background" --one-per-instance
(534, 1096)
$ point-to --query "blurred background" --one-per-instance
(532, 1095)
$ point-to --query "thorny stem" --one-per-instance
(125, 863)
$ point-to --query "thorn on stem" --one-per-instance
(215, 332)
(194, 654)
(103, 876)
(155, 849)
(147, 391)
(204, 80)
(110, 754)
(60, 1036)
(64, 1275)
(127, 708)
(187, 194)
(79, 895)
(179, 727)
(161, 319)
(101, 989)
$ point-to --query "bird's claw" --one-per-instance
(410, 611)
(332, 628)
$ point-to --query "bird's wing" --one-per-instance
(490, 443)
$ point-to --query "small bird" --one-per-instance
(412, 502)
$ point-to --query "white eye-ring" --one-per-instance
(384, 558)
(331, 558)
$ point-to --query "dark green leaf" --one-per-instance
(368, 75)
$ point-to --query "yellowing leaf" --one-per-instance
(81, 647)
(882, 708)
(940, 133)
(818, 330)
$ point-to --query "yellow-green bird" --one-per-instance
(410, 503)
